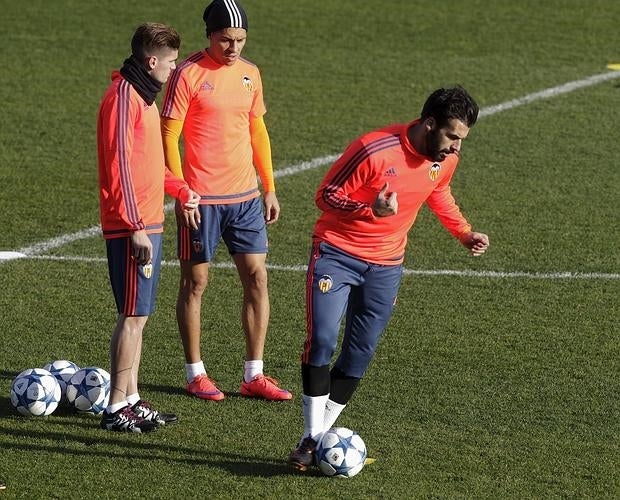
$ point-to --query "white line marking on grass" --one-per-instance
(566, 275)
(60, 241)
(550, 92)
(11, 255)
(306, 165)
(415, 272)
(44, 246)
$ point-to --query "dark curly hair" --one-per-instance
(445, 104)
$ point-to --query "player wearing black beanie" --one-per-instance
(222, 14)
(215, 101)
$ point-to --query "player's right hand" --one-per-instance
(386, 203)
(142, 247)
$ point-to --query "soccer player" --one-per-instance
(369, 200)
(215, 100)
(132, 179)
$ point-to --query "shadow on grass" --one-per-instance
(64, 410)
(137, 447)
(8, 375)
(134, 445)
(167, 389)
(6, 408)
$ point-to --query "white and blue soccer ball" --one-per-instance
(63, 370)
(89, 390)
(35, 392)
(341, 452)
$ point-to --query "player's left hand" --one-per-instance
(272, 207)
(477, 243)
(193, 201)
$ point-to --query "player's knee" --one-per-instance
(257, 280)
(354, 368)
(194, 285)
(322, 350)
(133, 325)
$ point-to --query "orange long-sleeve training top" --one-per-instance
(350, 187)
(132, 171)
(216, 104)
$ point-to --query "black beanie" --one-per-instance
(222, 14)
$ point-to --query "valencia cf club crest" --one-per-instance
(325, 283)
(197, 245)
(433, 173)
(147, 271)
(248, 84)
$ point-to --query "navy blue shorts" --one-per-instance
(337, 284)
(240, 225)
(134, 286)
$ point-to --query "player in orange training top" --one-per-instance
(132, 180)
(369, 200)
(215, 100)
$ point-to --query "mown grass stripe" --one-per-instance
(60, 241)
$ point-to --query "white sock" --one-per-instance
(133, 399)
(115, 407)
(314, 415)
(192, 370)
(332, 411)
(252, 368)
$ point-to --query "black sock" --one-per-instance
(342, 386)
(315, 380)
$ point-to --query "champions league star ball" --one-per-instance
(35, 392)
(63, 370)
(341, 453)
(89, 390)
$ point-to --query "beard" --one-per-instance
(432, 146)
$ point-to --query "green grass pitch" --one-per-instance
(497, 377)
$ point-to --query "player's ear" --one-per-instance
(429, 123)
(151, 62)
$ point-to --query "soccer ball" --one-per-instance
(89, 390)
(341, 453)
(35, 392)
(63, 371)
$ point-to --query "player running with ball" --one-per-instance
(369, 200)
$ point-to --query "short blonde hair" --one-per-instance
(150, 37)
